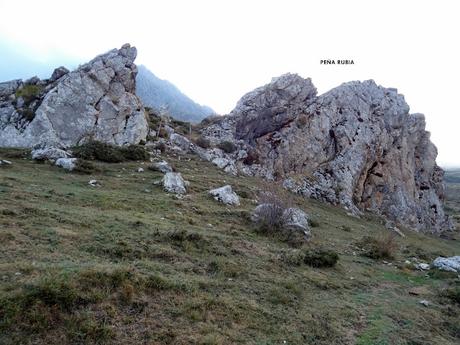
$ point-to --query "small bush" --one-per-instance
(313, 223)
(452, 293)
(345, 228)
(162, 133)
(203, 142)
(96, 150)
(85, 167)
(135, 153)
(161, 146)
(29, 93)
(227, 146)
(383, 247)
(251, 158)
(270, 216)
(321, 258)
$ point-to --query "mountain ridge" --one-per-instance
(159, 93)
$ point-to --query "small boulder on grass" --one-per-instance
(174, 183)
(162, 166)
(225, 195)
(66, 163)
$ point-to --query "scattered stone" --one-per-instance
(225, 195)
(451, 264)
(5, 162)
(94, 183)
(139, 170)
(174, 183)
(425, 303)
(162, 166)
(422, 266)
(66, 163)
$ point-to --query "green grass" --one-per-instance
(127, 263)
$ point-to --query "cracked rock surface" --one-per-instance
(96, 101)
(356, 146)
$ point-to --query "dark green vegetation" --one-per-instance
(126, 263)
(96, 150)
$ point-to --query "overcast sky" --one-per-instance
(215, 51)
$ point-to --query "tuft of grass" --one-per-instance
(320, 258)
(227, 146)
(203, 142)
(85, 167)
(381, 247)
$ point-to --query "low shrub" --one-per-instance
(320, 258)
(85, 167)
(96, 150)
(251, 158)
(313, 223)
(203, 142)
(227, 146)
(452, 293)
(382, 247)
(270, 216)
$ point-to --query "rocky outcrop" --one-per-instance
(356, 145)
(96, 101)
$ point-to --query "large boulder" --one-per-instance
(96, 101)
(225, 195)
(174, 183)
(356, 145)
(451, 264)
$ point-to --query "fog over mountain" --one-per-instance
(157, 93)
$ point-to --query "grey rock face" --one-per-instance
(96, 101)
(225, 195)
(356, 145)
(451, 264)
(174, 183)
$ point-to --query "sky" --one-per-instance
(216, 51)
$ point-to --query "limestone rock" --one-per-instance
(179, 140)
(356, 146)
(174, 183)
(96, 101)
(161, 166)
(451, 264)
(49, 153)
(66, 163)
(59, 73)
(225, 195)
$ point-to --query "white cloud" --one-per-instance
(215, 51)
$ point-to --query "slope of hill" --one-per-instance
(127, 263)
(157, 93)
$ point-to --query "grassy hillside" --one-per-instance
(452, 179)
(126, 263)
